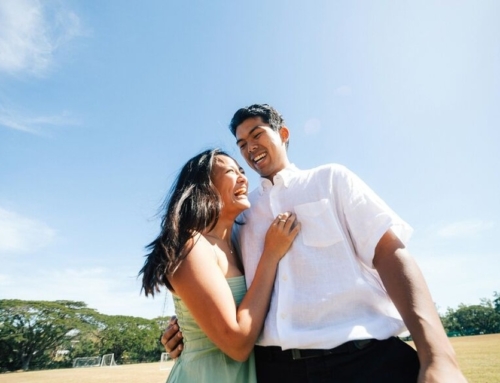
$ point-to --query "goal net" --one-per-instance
(163, 361)
(88, 361)
(108, 360)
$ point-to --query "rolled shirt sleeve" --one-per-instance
(367, 216)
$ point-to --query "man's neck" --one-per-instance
(271, 177)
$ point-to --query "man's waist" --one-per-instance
(318, 335)
(276, 353)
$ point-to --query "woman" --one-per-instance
(194, 257)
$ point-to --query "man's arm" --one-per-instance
(408, 290)
(171, 339)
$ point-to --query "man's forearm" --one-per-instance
(408, 290)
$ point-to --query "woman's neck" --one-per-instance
(220, 236)
(221, 232)
(223, 228)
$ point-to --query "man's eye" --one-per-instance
(242, 146)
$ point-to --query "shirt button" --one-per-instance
(285, 277)
(283, 316)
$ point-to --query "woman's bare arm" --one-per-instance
(200, 283)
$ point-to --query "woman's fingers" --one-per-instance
(286, 220)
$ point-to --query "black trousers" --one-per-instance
(386, 361)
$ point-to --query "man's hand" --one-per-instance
(171, 339)
(441, 373)
(408, 290)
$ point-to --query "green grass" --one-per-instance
(132, 373)
(479, 357)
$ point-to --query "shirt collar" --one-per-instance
(283, 177)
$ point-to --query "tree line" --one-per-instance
(474, 320)
(38, 335)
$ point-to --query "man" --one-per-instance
(348, 285)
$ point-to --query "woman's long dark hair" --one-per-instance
(192, 206)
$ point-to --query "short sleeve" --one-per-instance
(366, 215)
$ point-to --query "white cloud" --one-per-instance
(312, 126)
(20, 234)
(460, 277)
(32, 31)
(109, 291)
(464, 228)
(344, 90)
(13, 119)
(4, 280)
(458, 266)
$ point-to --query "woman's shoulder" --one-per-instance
(200, 244)
(199, 262)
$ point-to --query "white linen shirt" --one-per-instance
(326, 290)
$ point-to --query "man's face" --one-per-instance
(263, 149)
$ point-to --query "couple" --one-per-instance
(332, 309)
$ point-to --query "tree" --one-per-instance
(30, 330)
(41, 334)
(496, 301)
(472, 320)
(130, 338)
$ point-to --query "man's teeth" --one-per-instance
(259, 157)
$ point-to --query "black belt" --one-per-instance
(277, 354)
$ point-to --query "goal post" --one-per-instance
(87, 361)
(108, 360)
(163, 361)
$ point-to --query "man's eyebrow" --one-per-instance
(249, 133)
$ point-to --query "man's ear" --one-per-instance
(284, 134)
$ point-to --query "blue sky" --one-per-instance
(102, 102)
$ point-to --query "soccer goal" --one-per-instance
(163, 361)
(88, 361)
(108, 360)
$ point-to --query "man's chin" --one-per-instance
(261, 172)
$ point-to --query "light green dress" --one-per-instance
(201, 361)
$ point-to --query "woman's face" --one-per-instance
(229, 179)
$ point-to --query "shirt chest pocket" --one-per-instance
(319, 225)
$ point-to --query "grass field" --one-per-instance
(131, 373)
(479, 358)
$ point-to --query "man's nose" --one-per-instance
(251, 147)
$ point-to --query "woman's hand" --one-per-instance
(280, 235)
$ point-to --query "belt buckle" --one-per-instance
(362, 343)
(296, 354)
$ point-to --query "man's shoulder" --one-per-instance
(332, 166)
